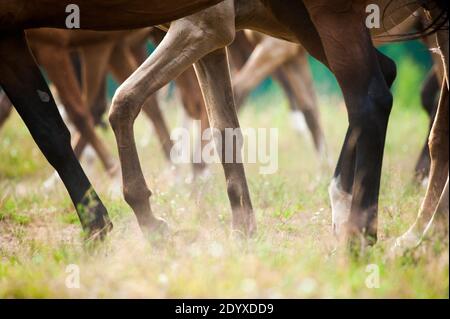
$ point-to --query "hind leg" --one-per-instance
(213, 74)
(439, 150)
(152, 110)
(301, 84)
(194, 107)
(429, 93)
(98, 111)
(27, 89)
(268, 56)
(62, 73)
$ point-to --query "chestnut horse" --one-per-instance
(363, 73)
(25, 86)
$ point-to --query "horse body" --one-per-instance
(96, 15)
(25, 86)
(334, 32)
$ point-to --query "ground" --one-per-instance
(293, 256)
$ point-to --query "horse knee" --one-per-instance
(383, 102)
(375, 112)
(123, 108)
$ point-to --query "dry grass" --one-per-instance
(294, 254)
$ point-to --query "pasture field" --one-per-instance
(293, 256)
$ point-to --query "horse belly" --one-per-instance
(97, 14)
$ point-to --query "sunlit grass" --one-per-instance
(294, 254)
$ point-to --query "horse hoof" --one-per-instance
(407, 241)
(99, 235)
(158, 230)
(341, 203)
(245, 227)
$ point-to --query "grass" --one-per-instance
(294, 254)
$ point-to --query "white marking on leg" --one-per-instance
(425, 182)
(341, 203)
(90, 155)
(409, 240)
(299, 122)
(51, 182)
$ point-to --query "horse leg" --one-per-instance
(93, 73)
(192, 102)
(122, 64)
(61, 72)
(100, 105)
(152, 110)
(296, 15)
(341, 187)
(298, 119)
(194, 36)
(301, 84)
(430, 90)
(200, 169)
(98, 110)
(268, 56)
(214, 77)
(442, 211)
(439, 149)
(194, 106)
(354, 61)
(28, 91)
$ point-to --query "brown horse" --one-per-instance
(289, 65)
(294, 76)
(363, 73)
(22, 81)
(98, 51)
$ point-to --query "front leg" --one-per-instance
(439, 150)
(187, 41)
(23, 83)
